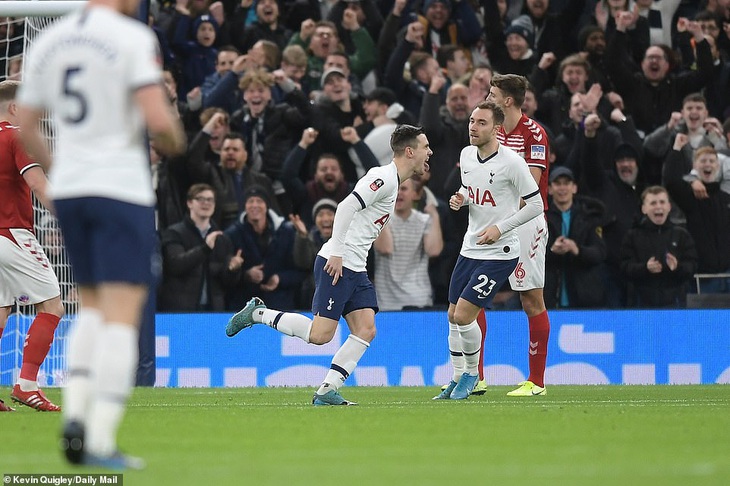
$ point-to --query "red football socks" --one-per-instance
(482, 323)
(37, 344)
(539, 334)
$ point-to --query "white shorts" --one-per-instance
(530, 271)
(26, 275)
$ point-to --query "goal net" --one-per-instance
(16, 36)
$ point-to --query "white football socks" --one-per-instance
(471, 340)
(457, 356)
(115, 363)
(288, 323)
(27, 385)
(343, 363)
(82, 342)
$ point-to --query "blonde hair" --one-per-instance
(272, 53)
(702, 151)
(256, 76)
(208, 113)
(8, 90)
(295, 55)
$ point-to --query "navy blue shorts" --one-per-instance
(353, 291)
(478, 280)
(108, 240)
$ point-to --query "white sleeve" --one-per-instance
(527, 187)
(464, 192)
(343, 218)
(145, 60)
(532, 208)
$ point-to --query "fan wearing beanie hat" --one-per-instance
(258, 192)
(324, 203)
(193, 45)
(266, 242)
(522, 26)
(512, 50)
(434, 3)
(440, 19)
(205, 29)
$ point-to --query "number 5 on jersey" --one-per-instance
(70, 92)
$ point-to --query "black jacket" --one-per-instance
(283, 125)
(304, 195)
(708, 220)
(622, 201)
(582, 272)
(653, 105)
(447, 137)
(329, 119)
(202, 169)
(275, 251)
(667, 288)
(188, 262)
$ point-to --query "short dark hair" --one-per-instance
(446, 53)
(404, 136)
(328, 155)
(235, 136)
(417, 60)
(694, 98)
(196, 189)
(669, 55)
(342, 54)
(512, 85)
(497, 111)
(227, 48)
(709, 15)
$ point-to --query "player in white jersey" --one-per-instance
(529, 140)
(342, 287)
(494, 182)
(97, 71)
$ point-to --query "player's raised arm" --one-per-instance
(38, 183)
(163, 125)
(29, 118)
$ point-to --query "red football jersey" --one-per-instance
(530, 141)
(16, 205)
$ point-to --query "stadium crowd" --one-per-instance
(287, 103)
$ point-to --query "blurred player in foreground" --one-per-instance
(342, 287)
(98, 72)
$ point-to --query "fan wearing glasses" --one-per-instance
(199, 263)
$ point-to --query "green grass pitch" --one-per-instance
(577, 435)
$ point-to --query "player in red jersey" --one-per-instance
(527, 138)
(26, 276)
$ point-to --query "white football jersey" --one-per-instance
(493, 188)
(85, 70)
(376, 192)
